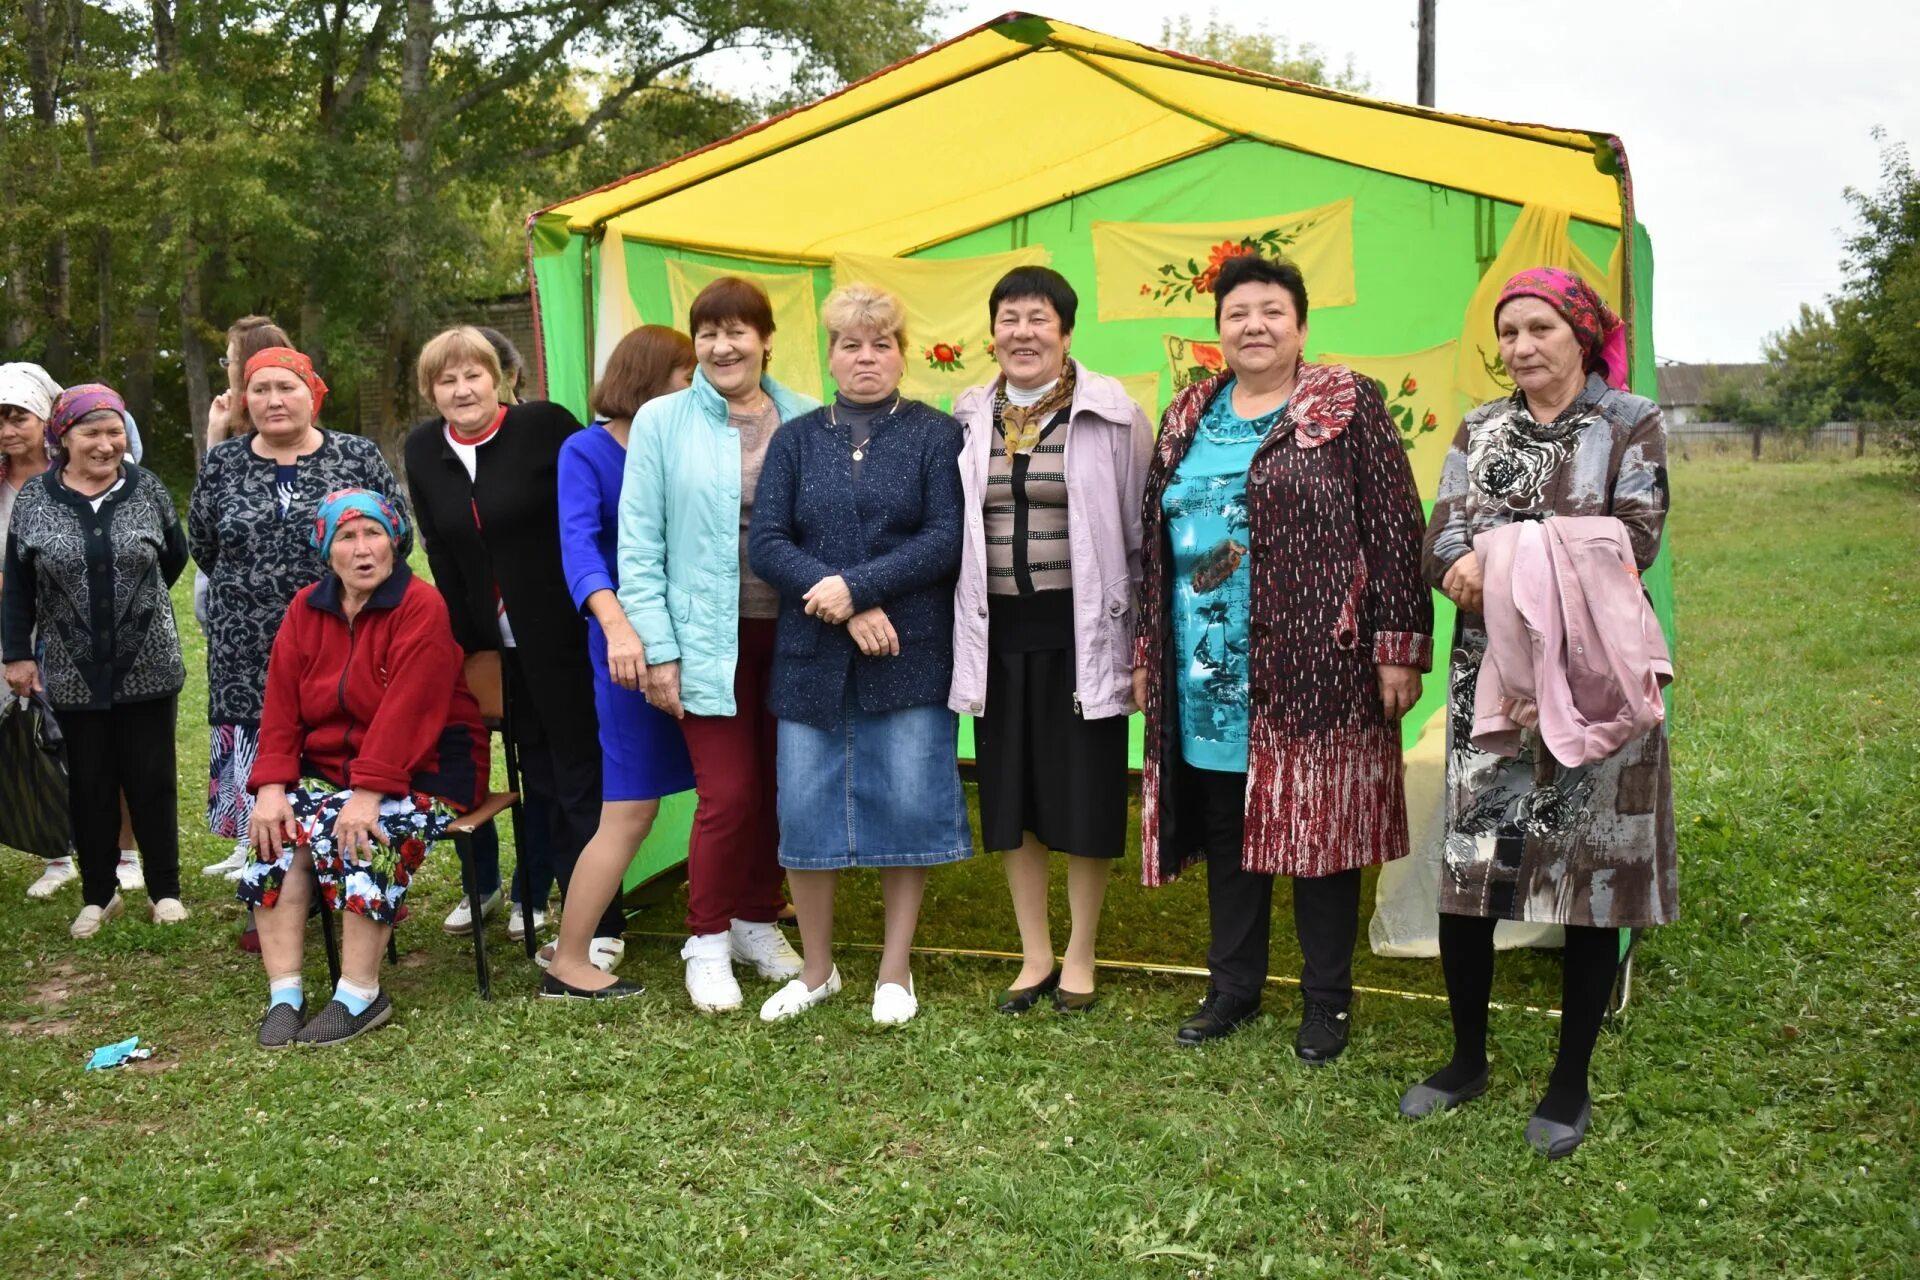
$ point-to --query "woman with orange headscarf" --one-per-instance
(247, 524)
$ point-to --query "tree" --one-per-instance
(1260, 50)
(1877, 312)
(1802, 376)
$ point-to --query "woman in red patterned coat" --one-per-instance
(1283, 628)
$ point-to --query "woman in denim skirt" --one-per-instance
(857, 525)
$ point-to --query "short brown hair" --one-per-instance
(731, 298)
(249, 336)
(462, 345)
(639, 369)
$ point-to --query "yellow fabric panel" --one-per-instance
(955, 132)
(1190, 361)
(614, 315)
(1538, 239)
(1145, 270)
(1420, 394)
(796, 318)
(948, 333)
(1144, 390)
(1501, 161)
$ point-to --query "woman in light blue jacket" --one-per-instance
(706, 623)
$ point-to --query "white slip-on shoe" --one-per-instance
(765, 948)
(132, 878)
(710, 980)
(169, 911)
(88, 922)
(605, 954)
(894, 1004)
(231, 865)
(516, 923)
(796, 998)
(59, 874)
(459, 921)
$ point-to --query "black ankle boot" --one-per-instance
(1323, 1034)
(1219, 1015)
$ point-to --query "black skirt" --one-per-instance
(1040, 767)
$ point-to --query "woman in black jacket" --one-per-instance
(484, 481)
(94, 547)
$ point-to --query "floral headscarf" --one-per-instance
(288, 358)
(29, 387)
(76, 403)
(343, 505)
(1602, 338)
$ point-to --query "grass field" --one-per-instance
(1756, 1109)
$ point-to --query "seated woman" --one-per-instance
(369, 743)
(856, 524)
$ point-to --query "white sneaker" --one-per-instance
(460, 919)
(796, 998)
(605, 954)
(764, 947)
(59, 874)
(710, 980)
(230, 866)
(132, 878)
(516, 923)
(894, 1004)
(88, 922)
(169, 911)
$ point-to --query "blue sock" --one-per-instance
(288, 991)
(355, 996)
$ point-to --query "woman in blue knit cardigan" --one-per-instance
(856, 524)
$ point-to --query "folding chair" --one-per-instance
(483, 679)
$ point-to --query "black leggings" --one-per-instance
(128, 750)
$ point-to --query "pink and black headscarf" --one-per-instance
(1602, 338)
(78, 402)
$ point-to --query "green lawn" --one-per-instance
(1755, 1109)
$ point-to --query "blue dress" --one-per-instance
(642, 752)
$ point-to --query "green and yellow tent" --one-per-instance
(1134, 171)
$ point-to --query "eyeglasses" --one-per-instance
(225, 363)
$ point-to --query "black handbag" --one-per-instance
(33, 778)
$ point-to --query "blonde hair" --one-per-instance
(862, 307)
(462, 345)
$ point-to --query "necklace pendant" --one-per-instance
(859, 455)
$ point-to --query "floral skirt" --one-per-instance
(230, 752)
(369, 886)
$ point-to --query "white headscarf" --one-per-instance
(30, 387)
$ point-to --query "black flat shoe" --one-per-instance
(1219, 1015)
(1424, 1099)
(551, 988)
(1065, 1001)
(1555, 1140)
(1021, 999)
(1323, 1034)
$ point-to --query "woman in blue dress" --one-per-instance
(643, 753)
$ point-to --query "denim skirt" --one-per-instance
(882, 789)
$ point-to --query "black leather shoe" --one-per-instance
(1065, 1001)
(1021, 999)
(1219, 1015)
(1323, 1034)
(551, 988)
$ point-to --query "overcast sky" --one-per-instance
(1744, 122)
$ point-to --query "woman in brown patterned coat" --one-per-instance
(1283, 629)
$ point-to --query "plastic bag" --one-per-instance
(33, 778)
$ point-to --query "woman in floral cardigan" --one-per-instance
(1284, 626)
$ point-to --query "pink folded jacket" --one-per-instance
(1573, 647)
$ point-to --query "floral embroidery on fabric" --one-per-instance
(369, 886)
(1400, 407)
(1192, 361)
(947, 357)
(1178, 284)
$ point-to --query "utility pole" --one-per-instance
(1425, 79)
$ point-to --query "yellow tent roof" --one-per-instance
(1024, 112)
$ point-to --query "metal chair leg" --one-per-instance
(470, 884)
(331, 941)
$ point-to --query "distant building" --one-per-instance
(1683, 387)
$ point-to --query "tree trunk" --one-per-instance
(410, 183)
(57, 279)
(19, 305)
(102, 256)
(139, 374)
(193, 348)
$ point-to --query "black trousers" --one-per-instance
(561, 764)
(1326, 909)
(127, 749)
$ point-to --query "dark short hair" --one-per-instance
(639, 369)
(511, 367)
(1036, 282)
(731, 298)
(1251, 268)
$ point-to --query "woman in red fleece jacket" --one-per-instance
(369, 744)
